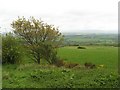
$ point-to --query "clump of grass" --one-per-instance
(90, 65)
(62, 63)
(71, 65)
(59, 63)
(5, 75)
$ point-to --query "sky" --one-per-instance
(85, 16)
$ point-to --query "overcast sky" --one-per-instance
(68, 15)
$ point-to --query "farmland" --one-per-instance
(91, 39)
(46, 76)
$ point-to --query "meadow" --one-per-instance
(106, 55)
(31, 75)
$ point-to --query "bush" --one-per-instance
(10, 49)
(81, 47)
(49, 53)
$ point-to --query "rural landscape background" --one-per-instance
(59, 47)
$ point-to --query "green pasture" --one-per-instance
(105, 55)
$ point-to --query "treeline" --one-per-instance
(89, 40)
(75, 43)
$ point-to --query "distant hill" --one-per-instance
(91, 39)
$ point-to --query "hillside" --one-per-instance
(91, 39)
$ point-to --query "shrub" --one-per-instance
(81, 47)
(10, 49)
(49, 53)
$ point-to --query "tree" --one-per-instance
(49, 53)
(10, 49)
(37, 36)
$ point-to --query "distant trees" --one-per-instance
(41, 39)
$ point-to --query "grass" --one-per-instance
(46, 76)
(105, 55)
(37, 76)
(0, 76)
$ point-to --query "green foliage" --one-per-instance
(40, 37)
(10, 49)
(49, 53)
(37, 76)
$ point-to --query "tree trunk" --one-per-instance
(38, 58)
(38, 61)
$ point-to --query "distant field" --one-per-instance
(92, 39)
(106, 55)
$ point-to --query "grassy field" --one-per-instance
(106, 55)
(46, 76)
